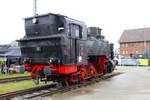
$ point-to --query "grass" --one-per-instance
(9, 87)
(13, 75)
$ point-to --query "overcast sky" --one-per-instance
(113, 16)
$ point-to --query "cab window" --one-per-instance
(75, 31)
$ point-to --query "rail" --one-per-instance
(14, 79)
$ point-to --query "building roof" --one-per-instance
(14, 52)
(4, 49)
(135, 35)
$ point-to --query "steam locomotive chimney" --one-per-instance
(94, 31)
(100, 31)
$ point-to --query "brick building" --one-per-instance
(134, 42)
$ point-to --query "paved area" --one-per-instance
(134, 84)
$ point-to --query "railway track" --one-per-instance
(48, 90)
(15, 79)
(65, 89)
(10, 95)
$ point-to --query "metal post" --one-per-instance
(34, 7)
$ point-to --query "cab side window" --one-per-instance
(75, 31)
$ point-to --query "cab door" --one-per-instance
(76, 35)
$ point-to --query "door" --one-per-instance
(76, 35)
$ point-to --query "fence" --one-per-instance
(134, 62)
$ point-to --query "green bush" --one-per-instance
(2, 62)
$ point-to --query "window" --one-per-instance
(141, 44)
(122, 45)
(132, 44)
(75, 31)
(123, 52)
(137, 44)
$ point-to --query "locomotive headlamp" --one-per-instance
(50, 60)
(34, 21)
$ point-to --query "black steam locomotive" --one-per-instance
(62, 49)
